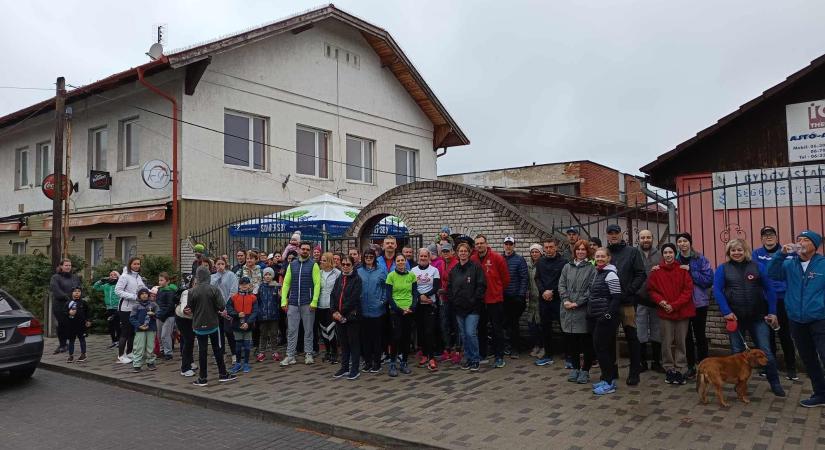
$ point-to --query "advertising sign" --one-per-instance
(48, 187)
(99, 179)
(806, 131)
(767, 188)
(156, 174)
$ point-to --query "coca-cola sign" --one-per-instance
(48, 187)
(99, 179)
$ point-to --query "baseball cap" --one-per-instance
(767, 229)
(572, 230)
(510, 240)
(446, 247)
(614, 228)
(245, 280)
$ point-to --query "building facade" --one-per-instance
(321, 102)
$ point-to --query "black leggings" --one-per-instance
(372, 332)
(401, 333)
(696, 338)
(580, 345)
(426, 317)
(113, 323)
(604, 341)
(217, 351)
(127, 333)
(187, 343)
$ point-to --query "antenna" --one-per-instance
(156, 50)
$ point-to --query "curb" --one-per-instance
(338, 431)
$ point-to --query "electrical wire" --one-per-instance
(25, 88)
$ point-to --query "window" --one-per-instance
(312, 153)
(566, 189)
(405, 165)
(245, 141)
(126, 248)
(98, 145)
(21, 168)
(18, 248)
(129, 149)
(43, 162)
(94, 251)
(359, 159)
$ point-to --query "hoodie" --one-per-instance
(673, 285)
(373, 286)
(495, 273)
(167, 297)
(206, 301)
(107, 286)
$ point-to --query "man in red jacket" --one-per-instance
(495, 271)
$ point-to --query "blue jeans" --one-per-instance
(810, 342)
(468, 328)
(760, 332)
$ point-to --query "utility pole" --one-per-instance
(57, 199)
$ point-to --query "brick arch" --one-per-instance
(426, 206)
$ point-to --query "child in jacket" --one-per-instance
(77, 324)
(243, 309)
(111, 302)
(142, 319)
(268, 315)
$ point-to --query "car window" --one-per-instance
(7, 304)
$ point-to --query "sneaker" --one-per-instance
(375, 368)
(466, 365)
(632, 380)
(276, 356)
(568, 364)
(308, 359)
(340, 373)
(574, 376)
(691, 373)
(777, 390)
(679, 378)
(333, 358)
(445, 355)
(227, 377)
(151, 367)
(136, 369)
(599, 383)
(188, 373)
(422, 361)
(288, 361)
(432, 366)
(366, 366)
(130, 356)
(508, 350)
(544, 361)
(124, 359)
(405, 368)
(474, 367)
(606, 388)
(199, 382)
(260, 357)
(114, 344)
(246, 368)
(485, 361)
(812, 402)
(456, 358)
(82, 358)
(584, 377)
(70, 359)
(792, 376)
(353, 376)
(500, 363)
(514, 354)
(393, 372)
(235, 368)
(670, 376)
(763, 373)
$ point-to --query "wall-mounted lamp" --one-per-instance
(149, 234)
(109, 236)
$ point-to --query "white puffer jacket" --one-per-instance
(127, 288)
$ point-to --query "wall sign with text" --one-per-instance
(806, 131)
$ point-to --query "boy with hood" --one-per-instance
(268, 315)
(206, 305)
(78, 313)
(142, 319)
(243, 308)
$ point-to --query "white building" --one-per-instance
(318, 102)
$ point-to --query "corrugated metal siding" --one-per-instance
(199, 215)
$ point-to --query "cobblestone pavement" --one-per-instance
(53, 410)
(519, 406)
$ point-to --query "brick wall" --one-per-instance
(599, 182)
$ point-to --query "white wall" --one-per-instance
(127, 188)
(289, 80)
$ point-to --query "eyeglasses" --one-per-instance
(346, 265)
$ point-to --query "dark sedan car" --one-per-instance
(21, 338)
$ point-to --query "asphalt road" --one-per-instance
(53, 410)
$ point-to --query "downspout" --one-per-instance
(671, 208)
(175, 119)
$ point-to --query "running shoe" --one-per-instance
(246, 368)
(199, 382)
(235, 368)
(544, 361)
(340, 373)
(260, 357)
(432, 366)
(227, 377)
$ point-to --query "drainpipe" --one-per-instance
(174, 102)
(671, 208)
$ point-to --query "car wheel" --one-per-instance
(22, 373)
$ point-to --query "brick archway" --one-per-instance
(426, 206)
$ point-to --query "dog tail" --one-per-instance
(701, 379)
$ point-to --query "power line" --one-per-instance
(25, 88)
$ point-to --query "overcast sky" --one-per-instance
(616, 82)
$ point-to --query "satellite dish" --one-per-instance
(155, 51)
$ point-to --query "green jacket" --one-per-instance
(110, 299)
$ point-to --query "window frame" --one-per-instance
(251, 118)
(92, 161)
(122, 250)
(317, 158)
(364, 169)
(19, 248)
(412, 155)
(124, 147)
(21, 168)
(92, 256)
(40, 172)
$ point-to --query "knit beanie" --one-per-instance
(813, 236)
(269, 270)
(537, 247)
(671, 246)
(686, 236)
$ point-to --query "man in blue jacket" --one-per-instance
(805, 304)
(515, 295)
(762, 256)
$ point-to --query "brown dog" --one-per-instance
(734, 369)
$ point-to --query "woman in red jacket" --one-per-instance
(671, 288)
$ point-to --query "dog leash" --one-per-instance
(744, 342)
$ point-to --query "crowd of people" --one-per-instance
(460, 302)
